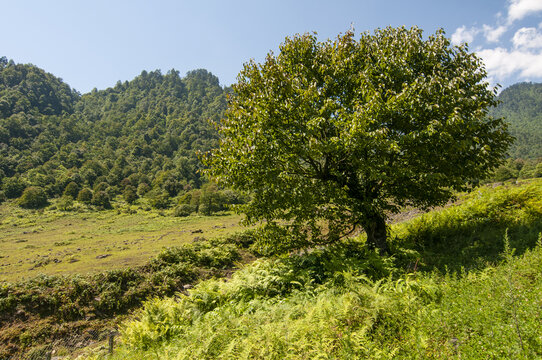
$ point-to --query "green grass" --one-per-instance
(462, 283)
(53, 309)
(494, 313)
(54, 242)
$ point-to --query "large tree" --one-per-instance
(332, 136)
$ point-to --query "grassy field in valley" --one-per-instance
(56, 242)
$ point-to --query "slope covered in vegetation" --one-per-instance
(521, 105)
(64, 313)
(138, 137)
(479, 299)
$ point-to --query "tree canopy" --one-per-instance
(521, 106)
(332, 136)
(141, 132)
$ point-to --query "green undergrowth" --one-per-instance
(467, 235)
(68, 300)
(458, 284)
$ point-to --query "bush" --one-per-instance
(159, 200)
(13, 187)
(143, 188)
(103, 186)
(243, 239)
(33, 198)
(100, 199)
(71, 190)
(183, 210)
(85, 196)
(65, 203)
(3, 197)
(130, 194)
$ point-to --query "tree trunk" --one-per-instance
(377, 233)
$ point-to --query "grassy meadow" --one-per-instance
(463, 282)
(81, 241)
(460, 282)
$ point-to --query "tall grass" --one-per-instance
(494, 313)
(469, 235)
(476, 294)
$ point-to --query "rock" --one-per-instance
(198, 231)
(103, 256)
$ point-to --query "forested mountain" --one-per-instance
(521, 105)
(142, 133)
(142, 136)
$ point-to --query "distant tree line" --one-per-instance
(518, 169)
(138, 138)
(521, 106)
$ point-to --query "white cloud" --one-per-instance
(502, 63)
(493, 34)
(527, 38)
(520, 59)
(518, 9)
(464, 35)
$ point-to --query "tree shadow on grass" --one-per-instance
(467, 246)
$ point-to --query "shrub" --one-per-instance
(33, 198)
(101, 186)
(159, 200)
(13, 187)
(71, 190)
(130, 194)
(242, 239)
(85, 196)
(143, 188)
(65, 203)
(183, 210)
(101, 200)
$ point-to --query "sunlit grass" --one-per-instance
(58, 242)
(463, 282)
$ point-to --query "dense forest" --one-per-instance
(521, 105)
(138, 137)
(141, 138)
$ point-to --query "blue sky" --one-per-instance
(96, 43)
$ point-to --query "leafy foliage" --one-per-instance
(521, 107)
(331, 136)
(63, 300)
(85, 195)
(347, 302)
(427, 316)
(145, 131)
(463, 235)
(33, 198)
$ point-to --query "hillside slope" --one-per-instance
(521, 105)
(463, 282)
(145, 131)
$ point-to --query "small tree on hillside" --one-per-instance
(101, 200)
(33, 197)
(333, 136)
(85, 195)
(14, 187)
(71, 190)
(130, 194)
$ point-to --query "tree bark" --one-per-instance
(377, 233)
